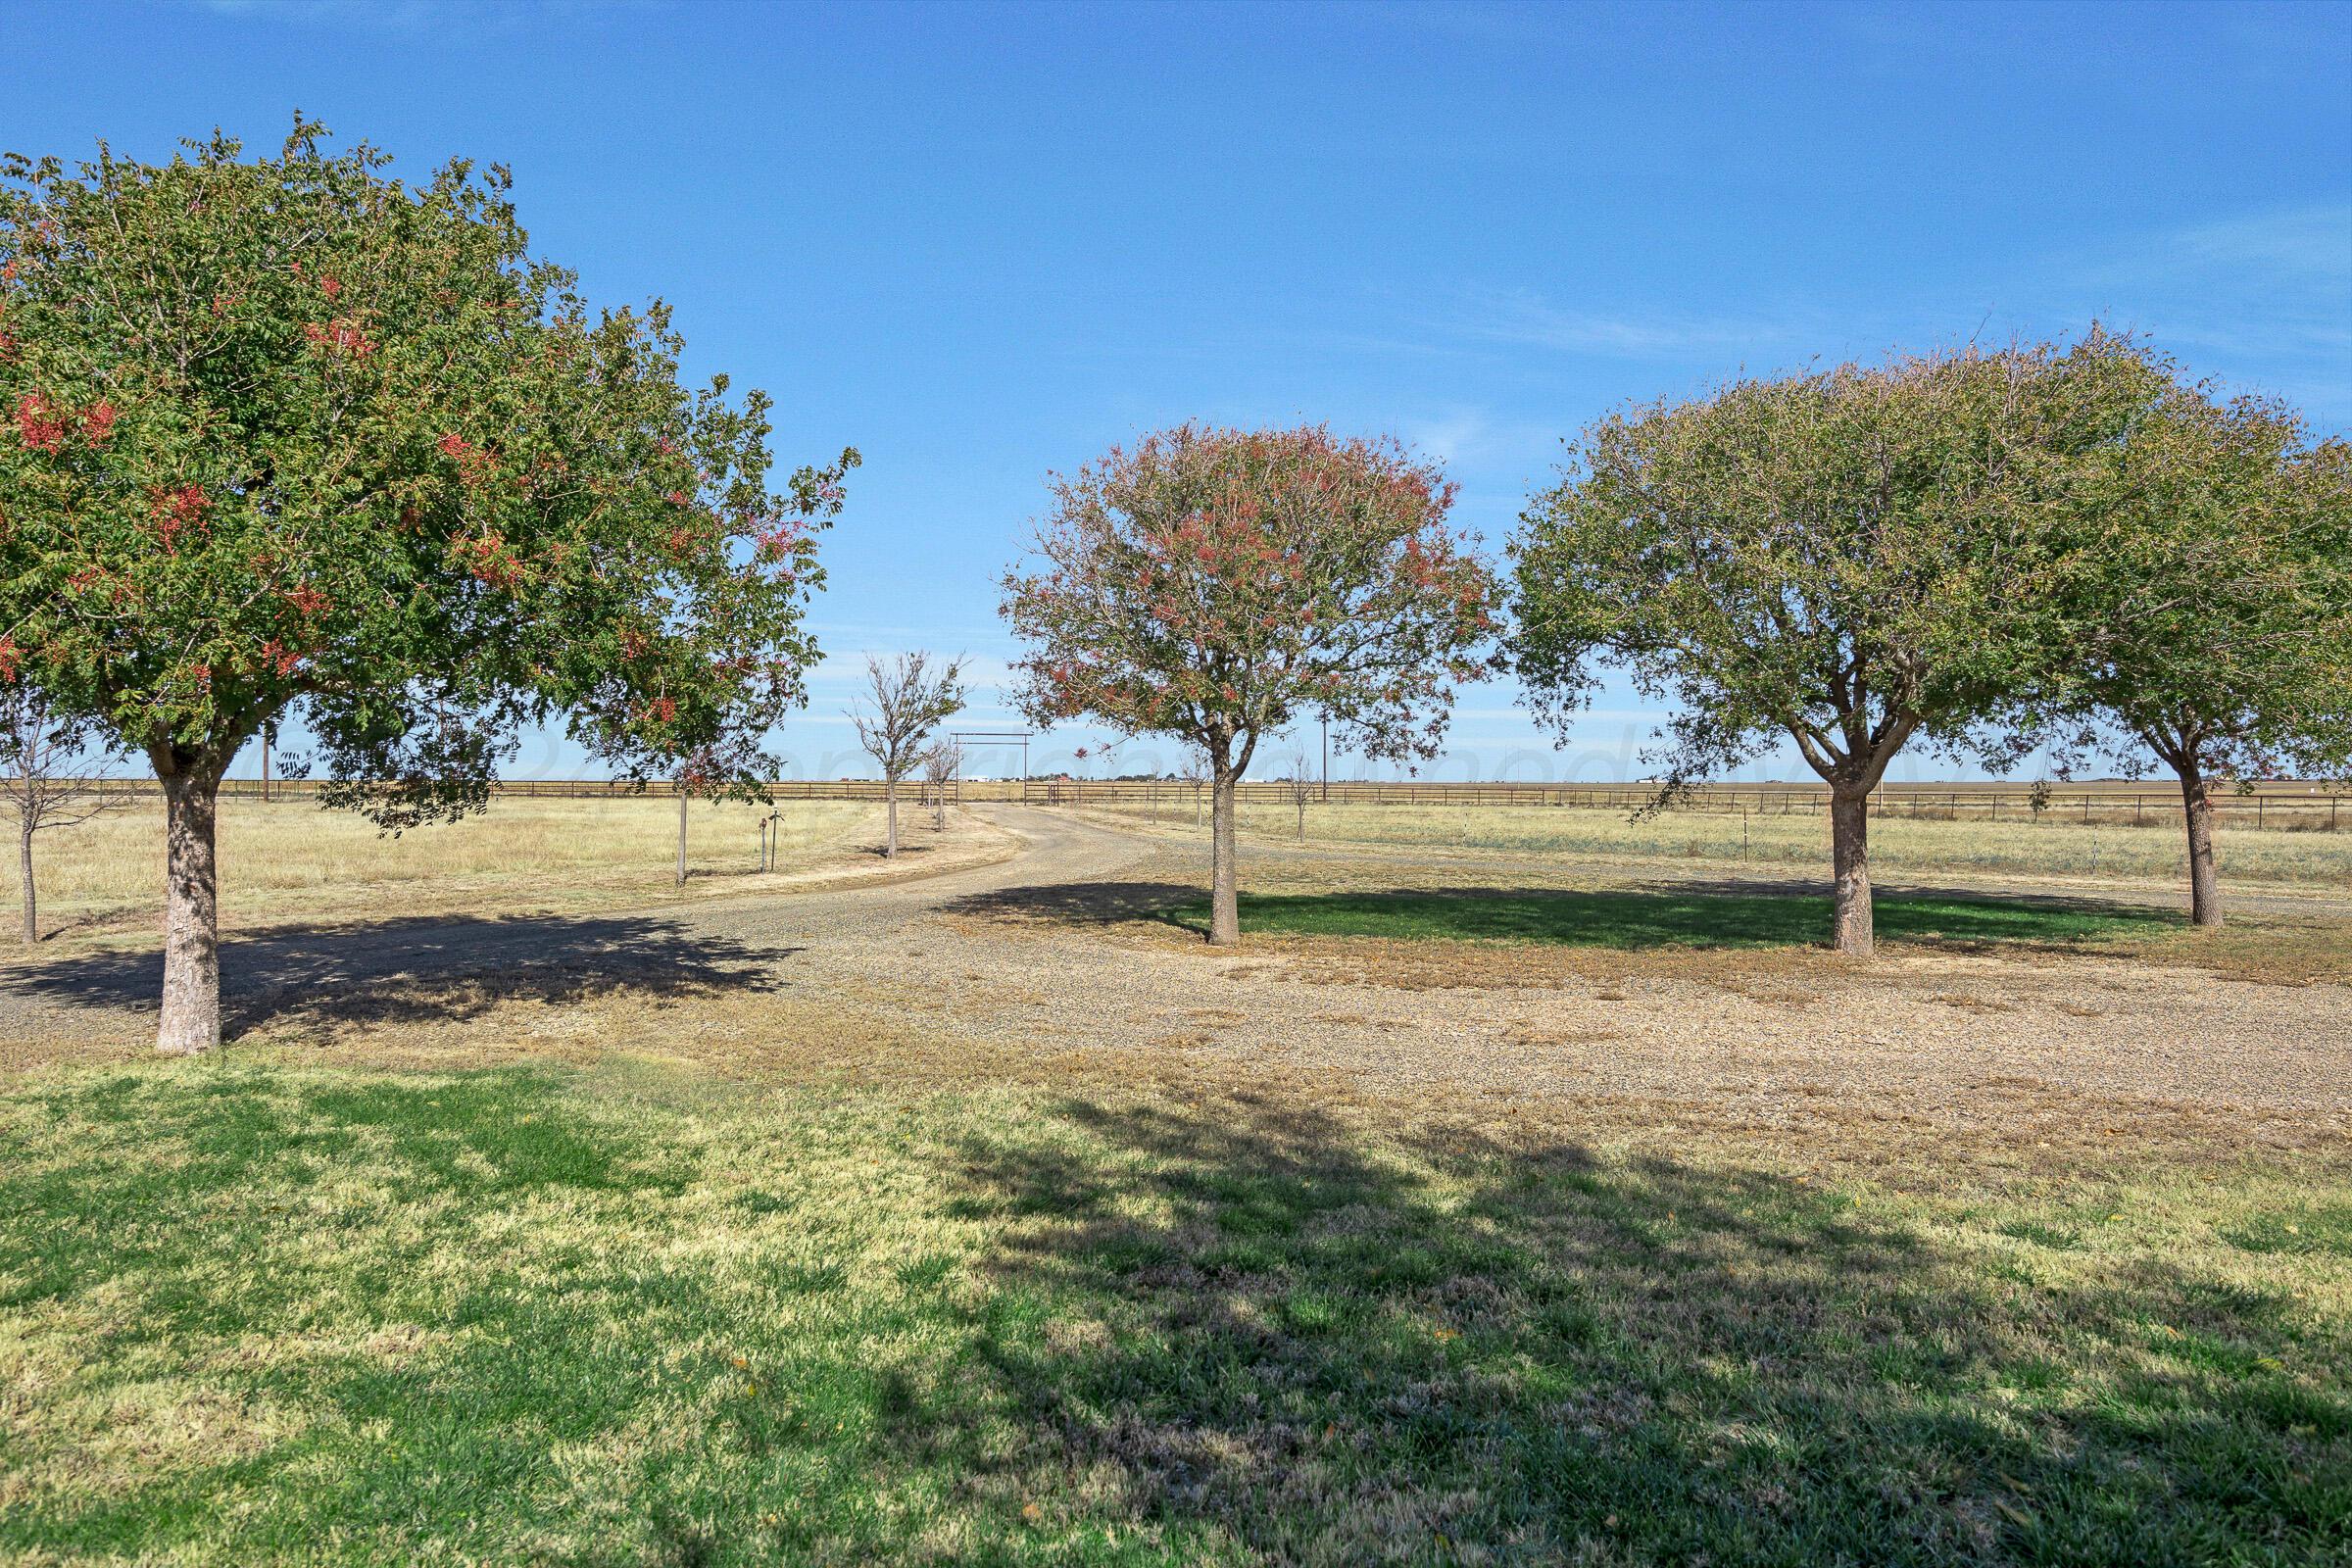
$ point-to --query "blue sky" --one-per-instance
(980, 243)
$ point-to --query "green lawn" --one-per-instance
(255, 1313)
(1699, 918)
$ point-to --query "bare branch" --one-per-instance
(904, 701)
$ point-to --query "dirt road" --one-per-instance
(1044, 953)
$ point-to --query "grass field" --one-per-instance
(1644, 919)
(263, 1312)
(730, 1233)
(292, 858)
(2155, 852)
(1409, 919)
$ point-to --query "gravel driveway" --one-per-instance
(1036, 951)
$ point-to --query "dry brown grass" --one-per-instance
(1899, 846)
(292, 861)
(291, 845)
(2264, 949)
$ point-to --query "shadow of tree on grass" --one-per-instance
(1711, 913)
(541, 1326)
(1677, 915)
(1266, 1337)
(423, 970)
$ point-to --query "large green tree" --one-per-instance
(1838, 560)
(2205, 586)
(291, 439)
(1214, 585)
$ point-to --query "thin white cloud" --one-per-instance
(2263, 300)
(2307, 242)
(1522, 317)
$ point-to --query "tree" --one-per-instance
(1839, 558)
(1302, 787)
(942, 766)
(49, 777)
(1193, 768)
(906, 700)
(1209, 584)
(2206, 595)
(293, 440)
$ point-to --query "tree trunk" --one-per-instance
(1216, 852)
(32, 925)
(1224, 898)
(2204, 882)
(890, 836)
(1849, 838)
(191, 1006)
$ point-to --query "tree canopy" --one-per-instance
(1213, 585)
(2204, 599)
(1846, 558)
(291, 437)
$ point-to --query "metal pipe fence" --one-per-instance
(2274, 805)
